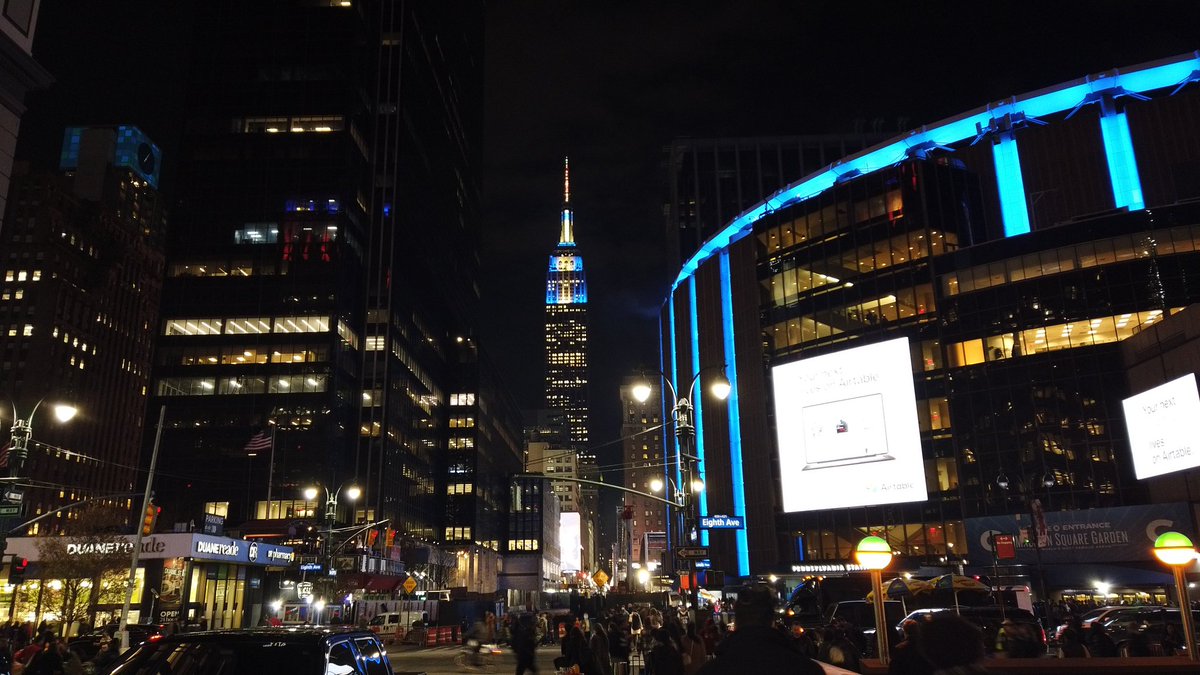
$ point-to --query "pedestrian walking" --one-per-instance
(756, 646)
(524, 644)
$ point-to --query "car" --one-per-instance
(1147, 625)
(315, 650)
(1100, 614)
(86, 645)
(988, 618)
(860, 615)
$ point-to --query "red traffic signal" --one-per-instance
(17, 573)
(149, 519)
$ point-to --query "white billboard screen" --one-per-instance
(1162, 423)
(848, 432)
(570, 542)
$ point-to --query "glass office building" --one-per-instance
(1014, 257)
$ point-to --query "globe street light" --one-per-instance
(1177, 551)
(685, 433)
(875, 554)
(643, 577)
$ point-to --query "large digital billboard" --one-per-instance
(847, 426)
(1161, 425)
(570, 542)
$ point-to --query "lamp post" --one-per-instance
(875, 554)
(331, 505)
(1037, 523)
(22, 431)
(685, 432)
(1177, 551)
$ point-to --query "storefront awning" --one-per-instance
(379, 583)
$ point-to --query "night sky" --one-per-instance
(610, 84)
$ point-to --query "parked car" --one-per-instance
(88, 644)
(1144, 624)
(988, 618)
(299, 651)
(1100, 614)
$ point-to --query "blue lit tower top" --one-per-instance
(566, 325)
(566, 283)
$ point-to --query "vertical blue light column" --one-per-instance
(697, 405)
(735, 419)
(662, 404)
(1011, 185)
(673, 374)
(1122, 164)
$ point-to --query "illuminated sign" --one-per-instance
(827, 568)
(1161, 425)
(847, 429)
(570, 541)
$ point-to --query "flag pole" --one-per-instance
(271, 471)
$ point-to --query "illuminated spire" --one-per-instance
(567, 238)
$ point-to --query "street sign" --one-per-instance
(600, 577)
(722, 522)
(1005, 547)
(692, 552)
(410, 585)
(310, 567)
(10, 510)
(14, 495)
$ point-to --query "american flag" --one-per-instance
(260, 441)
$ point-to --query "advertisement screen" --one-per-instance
(570, 542)
(847, 425)
(1161, 425)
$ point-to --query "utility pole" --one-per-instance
(123, 627)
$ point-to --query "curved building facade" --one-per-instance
(1015, 246)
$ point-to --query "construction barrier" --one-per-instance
(444, 635)
(431, 637)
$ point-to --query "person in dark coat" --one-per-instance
(1099, 643)
(756, 646)
(524, 644)
(907, 658)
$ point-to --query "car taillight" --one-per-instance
(1043, 634)
(154, 638)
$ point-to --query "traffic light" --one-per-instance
(149, 519)
(16, 574)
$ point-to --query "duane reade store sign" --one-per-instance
(172, 545)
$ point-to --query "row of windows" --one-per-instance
(283, 509)
(460, 488)
(237, 355)
(10, 294)
(299, 124)
(458, 533)
(523, 544)
(1053, 337)
(204, 386)
(832, 218)
(462, 422)
(906, 303)
(247, 326)
(23, 275)
(462, 399)
(1183, 239)
(786, 286)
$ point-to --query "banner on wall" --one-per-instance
(1119, 534)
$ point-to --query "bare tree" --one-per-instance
(74, 565)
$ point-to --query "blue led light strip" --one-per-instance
(735, 418)
(696, 403)
(674, 375)
(1122, 165)
(1140, 78)
(1011, 185)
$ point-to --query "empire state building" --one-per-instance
(567, 326)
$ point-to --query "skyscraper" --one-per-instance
(324, 265)
(567, 326)
(82, 279)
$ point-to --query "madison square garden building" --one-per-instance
(986, 268)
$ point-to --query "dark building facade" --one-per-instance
(1015, 257)
(82, 274)
(323, 265)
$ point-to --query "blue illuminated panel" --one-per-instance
(735, 419)
(698, 401)
(1122, 165)
(1011, 186)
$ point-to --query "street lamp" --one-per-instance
(22, 431)
(1177, 551)
(353, 492)
(685, 433)
(875, 554)
(643, 577)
